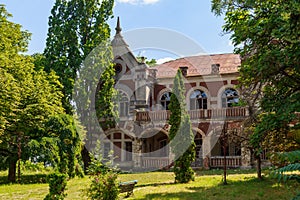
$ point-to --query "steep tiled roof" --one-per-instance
(200, 65)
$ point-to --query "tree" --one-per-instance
(69, 143)
(181, 135)
(35, 94)
(150, 63)
(76, 27)
(266, 35)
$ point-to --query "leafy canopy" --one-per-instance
(267, 36)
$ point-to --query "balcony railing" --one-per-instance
(161, 115)
(155, 162)
(231, 161)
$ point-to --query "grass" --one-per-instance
(160, 185)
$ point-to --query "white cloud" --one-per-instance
(150, 1)
(134, 2)
(128, 1)
(163, 60)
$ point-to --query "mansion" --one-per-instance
(140, 139)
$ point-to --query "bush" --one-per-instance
(34, 166)
(288, 172)
(57, 185)
(104, 187)
(104, 184)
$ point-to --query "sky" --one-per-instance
(189, 19)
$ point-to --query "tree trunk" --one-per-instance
(258, 167)
(85, 158)
(12, 169)
(225, 166)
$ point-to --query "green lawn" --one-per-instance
(159, 185)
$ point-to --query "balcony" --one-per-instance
(164, 115)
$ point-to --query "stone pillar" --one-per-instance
(137, 153)
(246, 157)
(206, 151)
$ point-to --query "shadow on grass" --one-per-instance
(26, 179)
(249, 189)
(155, 184)
(200, 172)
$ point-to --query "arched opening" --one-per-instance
(230, 97)
(123, 104)
(198, 100)
(165, 100)
(198, 149)
(154, 144)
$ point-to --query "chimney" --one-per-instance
(215, 68)
(183, 70)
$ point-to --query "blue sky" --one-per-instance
(190, 18)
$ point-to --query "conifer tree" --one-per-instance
(181, 135)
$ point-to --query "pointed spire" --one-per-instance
(118, 28)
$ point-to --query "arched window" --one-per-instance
(123, 104)
(165, 100)
(229, 98)
(198, 100)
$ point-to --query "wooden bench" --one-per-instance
(127, 187)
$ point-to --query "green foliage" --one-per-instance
(181, 135)
(57, 186)
(104, 184)
(266, 35)
(150, 63)
(69, 143)
(288, 172)
(76, 27)
(292, 162)
(29, 95)
(30, 166)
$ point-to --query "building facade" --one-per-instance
(141, 138)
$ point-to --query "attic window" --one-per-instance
(215, 68)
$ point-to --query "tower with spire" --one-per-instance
(132, 76)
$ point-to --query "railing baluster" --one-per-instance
(161, 115)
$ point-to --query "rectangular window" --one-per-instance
(192, 104)
(204, 103)
(237, 150)
(117, 151)
(128, 148)
(106, 150)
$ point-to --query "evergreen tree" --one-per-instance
(181, 135)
